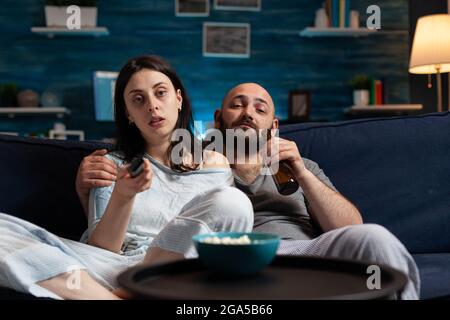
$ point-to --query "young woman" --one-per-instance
(147, 218)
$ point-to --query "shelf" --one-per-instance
(59, 112)
(336, 32)
(381, 110)
(387, 107)
(62, 31)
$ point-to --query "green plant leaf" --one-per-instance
(360, 82)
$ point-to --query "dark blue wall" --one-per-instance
(280, 59)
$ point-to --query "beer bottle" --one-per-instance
(285, 180)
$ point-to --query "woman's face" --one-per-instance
(152, 104)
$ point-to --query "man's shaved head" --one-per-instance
(249, 87)
(247, 105)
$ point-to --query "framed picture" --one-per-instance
(228, 40)
(242, 5)
(104, 85)
(299, 105)
(192, 8)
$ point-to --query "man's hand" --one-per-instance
(287, 151)
(95, 170)
(329, 208)
(127, 187)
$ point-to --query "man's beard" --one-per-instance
(252, 135)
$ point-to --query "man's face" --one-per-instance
(248, 107)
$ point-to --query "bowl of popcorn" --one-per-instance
(237, 253)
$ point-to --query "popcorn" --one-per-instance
(227, 240)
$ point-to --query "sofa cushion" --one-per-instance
(396, 171)
(434, 271)
(38, 182)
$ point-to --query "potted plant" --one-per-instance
(361, 85)
(8, 95)
(56, 12)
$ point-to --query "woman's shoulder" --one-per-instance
(213, 159)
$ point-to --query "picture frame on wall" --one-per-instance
(104, 83)
(226, 40)
(192, 8)
(299, 105)
(238, 5)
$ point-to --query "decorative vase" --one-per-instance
(28, 98)
(361, 97)
(354, 19)
(321, 20)
(57, 16)
(50, 98)
(89, 17)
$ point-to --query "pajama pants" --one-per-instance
(367, 243)
(30, 254)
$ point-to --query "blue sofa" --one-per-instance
(395, 170)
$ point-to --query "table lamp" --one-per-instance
(431, 49)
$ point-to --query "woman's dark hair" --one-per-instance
(129, 138)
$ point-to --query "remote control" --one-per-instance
(136, 166)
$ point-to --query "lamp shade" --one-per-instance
(431, 45)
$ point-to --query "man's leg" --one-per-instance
(367, 242)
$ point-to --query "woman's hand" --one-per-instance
(127, 187)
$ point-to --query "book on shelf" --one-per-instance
(335, 13)
(338, 12)
(328, 10)
(376, 92)
(347, 13)
(372, 92)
